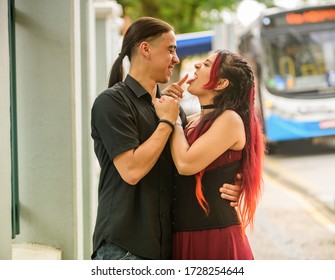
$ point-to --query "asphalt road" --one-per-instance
(295, 219)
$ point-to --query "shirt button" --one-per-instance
(162, 215)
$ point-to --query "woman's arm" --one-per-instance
(226, 132)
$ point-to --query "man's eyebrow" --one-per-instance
(174, 47)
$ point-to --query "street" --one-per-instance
(295, 219)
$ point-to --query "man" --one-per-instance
(130, 129)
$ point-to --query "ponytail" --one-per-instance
(116, 74)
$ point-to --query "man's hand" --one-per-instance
(175, 90)
(232, 192)
(167, 108)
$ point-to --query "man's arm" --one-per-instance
(134, 164)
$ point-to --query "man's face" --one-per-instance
(163, 57)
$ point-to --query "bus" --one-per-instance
(292, 53)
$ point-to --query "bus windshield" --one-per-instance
(300, 62)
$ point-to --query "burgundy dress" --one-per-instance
(216, 236)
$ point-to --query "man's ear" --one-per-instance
(144, 49)
(222, 84)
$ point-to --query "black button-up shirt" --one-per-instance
(136, 218)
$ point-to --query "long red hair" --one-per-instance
(238, 96)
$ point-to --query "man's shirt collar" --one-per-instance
(137, 88)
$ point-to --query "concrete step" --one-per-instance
(32, 251)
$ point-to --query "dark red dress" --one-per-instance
(216, 236)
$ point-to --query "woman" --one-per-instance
(222, 140)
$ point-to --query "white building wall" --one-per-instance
(46, 124)
(57, 172)
(5, 162)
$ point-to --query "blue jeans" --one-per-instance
(114, 252)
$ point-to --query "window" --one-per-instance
(13, 120)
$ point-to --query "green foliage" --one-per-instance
(185, 15)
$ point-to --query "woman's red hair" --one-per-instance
(251, 169)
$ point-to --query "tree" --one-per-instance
(186, 15)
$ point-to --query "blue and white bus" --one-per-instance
(293, 57)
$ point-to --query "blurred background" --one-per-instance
(55, 58)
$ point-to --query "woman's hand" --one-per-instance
(175, 90)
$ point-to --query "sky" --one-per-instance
(249, 10)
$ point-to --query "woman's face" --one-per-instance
(201, 76)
